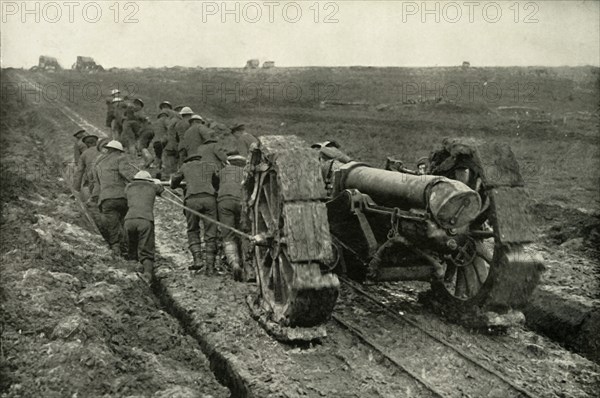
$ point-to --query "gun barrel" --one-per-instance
(452, 203)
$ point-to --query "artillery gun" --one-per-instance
(462, 227)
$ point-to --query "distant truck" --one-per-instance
(47, 63)
(86, 64)
(268, 64)
(252, 64)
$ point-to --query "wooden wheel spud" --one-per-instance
(284, 204)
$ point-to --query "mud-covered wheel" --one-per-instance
(492, 268)
(284, 194)
(469, 275)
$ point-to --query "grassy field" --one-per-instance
(550, 116)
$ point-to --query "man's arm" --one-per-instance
(176, 179)
(126, 168)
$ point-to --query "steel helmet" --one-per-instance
(186, 111)
(115, 91)
(236, 159)
(161, 114)
(102, 143)
(117, 99)
(115, 145)
(143, 175)
(196, 117)
(165, 103)
(88, 136)
(139, 100)
(79, 132)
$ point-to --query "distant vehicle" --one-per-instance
(47, 63)
(466, 65)
(268, 64)
(86, 64)
(252, 64)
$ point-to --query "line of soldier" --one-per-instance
(187, 149)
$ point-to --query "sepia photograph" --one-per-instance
(310, 198)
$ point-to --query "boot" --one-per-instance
(148, 158)
(148, 269)
(197, 256)
(210, 258)
(233, 259)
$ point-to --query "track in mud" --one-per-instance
(252, 364)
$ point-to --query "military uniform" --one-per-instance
(132, 126)
(159, 127)
(243, 142)
(110, 116)
(85, 169)
(179, 130)
(213, 153)
(139, 221)
(171, 147)
(193, 137)
(119, 109)
(201, 178)
(78, 148)
(229, 203)
(111, 174)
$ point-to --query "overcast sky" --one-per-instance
(302, 33)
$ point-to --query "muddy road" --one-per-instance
(77, 321)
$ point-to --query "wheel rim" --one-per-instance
(272, 263)
(466, 277)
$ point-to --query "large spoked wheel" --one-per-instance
(283, 197)
(491, 269)
(469, 275)
(273, 267)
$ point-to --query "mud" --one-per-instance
(75, 320)
(115, 340)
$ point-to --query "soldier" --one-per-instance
(160, 137)
(229, 207)
(193, 137)
(119, 107)
(139, 220)
(111, 173)
(132, 125)
(83, 172)
(146, 135)
(180, 128)
(78, 146)
(331, 159)
(201, 177)
(109, 107)
(243, 139)
(422, 165)
(212, 152)
(170, 150)
(166, 107)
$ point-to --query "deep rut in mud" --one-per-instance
(214, 313)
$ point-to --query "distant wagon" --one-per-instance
(47, 63)
(268, 64)
(86, 64)
(252, 64)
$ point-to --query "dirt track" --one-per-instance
(216, 315)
